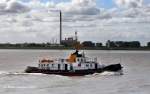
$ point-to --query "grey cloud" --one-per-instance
(13, 6)
(41, 26)
(16, 7)
(79, 7)
(84, 11)
(129, 3)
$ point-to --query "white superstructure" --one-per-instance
(74, 62)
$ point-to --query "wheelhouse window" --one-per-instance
(90, 65)
(62, 60)
(59, 66)
(87, 65)
(52, 65)
(41, 65)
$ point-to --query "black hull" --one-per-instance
(113, 68)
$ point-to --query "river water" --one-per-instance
(136, 78)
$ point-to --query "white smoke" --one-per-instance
(129, 3)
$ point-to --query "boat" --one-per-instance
(77, 64)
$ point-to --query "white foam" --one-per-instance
(3, 72)
(19, 73)
(112, 73)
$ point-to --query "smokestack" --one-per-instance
(60, 27)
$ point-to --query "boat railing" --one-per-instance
(91, 59)
(60, 60)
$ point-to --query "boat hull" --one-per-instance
(114, 68)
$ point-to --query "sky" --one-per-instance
(95, 20)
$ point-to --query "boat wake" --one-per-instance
(4, 73)
(19, 73)
(108, 73)
(111, 73)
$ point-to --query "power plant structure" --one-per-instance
(70, 41)
(60, 37)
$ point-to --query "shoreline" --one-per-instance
(71, 48)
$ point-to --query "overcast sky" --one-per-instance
(95, 20)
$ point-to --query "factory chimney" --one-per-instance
(60, 27)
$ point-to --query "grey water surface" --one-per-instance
(136, 78)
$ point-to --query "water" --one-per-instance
(136, 79)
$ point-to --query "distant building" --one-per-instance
(99, 45)
(148, 44)
(88, 44)
(70, 41)
(123, 44)
(110, 44)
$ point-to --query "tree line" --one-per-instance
(108, 44)
(115, 44)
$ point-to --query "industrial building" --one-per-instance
(70, 41)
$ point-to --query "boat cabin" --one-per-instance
(75, 61)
